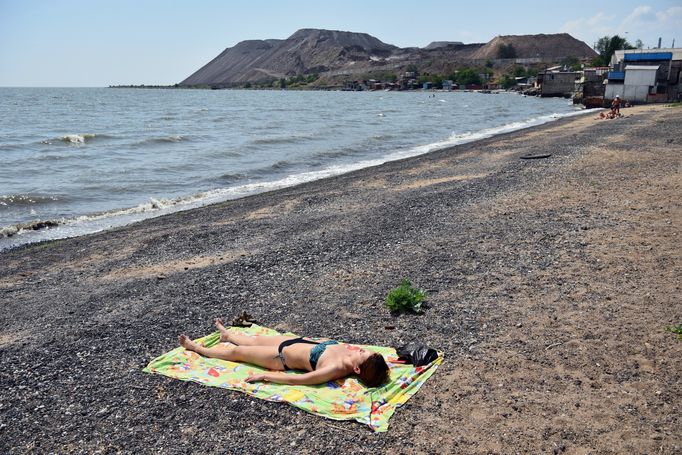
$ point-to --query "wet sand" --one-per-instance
(550, 284)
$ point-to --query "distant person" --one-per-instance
(615, 106)
(323, 361)
(611, 114)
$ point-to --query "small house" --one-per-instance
(353, 86)
(640, 81)
(557, 83)
(637, 84)
(374, 84)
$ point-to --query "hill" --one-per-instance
(439, 44)
(306, 51)
(340, 54)
(555, 47)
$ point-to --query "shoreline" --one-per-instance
(52, 229)
(549, 285)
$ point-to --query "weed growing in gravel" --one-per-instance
(406, 298)
(675, 329)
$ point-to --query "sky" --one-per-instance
(86, 43)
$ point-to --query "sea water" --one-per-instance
(80, 160)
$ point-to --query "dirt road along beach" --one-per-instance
(550, 283)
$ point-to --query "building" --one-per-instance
(645, 76)
(408, 81)
(374, 84)
(354, 86)
(591, 89)
(557, 83)
(614, 85)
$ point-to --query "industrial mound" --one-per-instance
(335, 53)
(554, 47)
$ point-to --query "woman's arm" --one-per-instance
(314, 377)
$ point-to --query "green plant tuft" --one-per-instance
(406, 298)
(675, 329)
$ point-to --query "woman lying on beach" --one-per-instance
(324, 361)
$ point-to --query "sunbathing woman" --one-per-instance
(324, 361)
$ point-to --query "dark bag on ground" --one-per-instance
(417, 353)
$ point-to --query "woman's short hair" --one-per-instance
(374, 371)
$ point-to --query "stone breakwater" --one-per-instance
(550, 283)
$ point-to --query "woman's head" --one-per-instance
(373, 371)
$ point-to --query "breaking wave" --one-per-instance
(279, 165)
(164, 139)
(27, 200)
(336, 153)
(76, 139)
(232, 178)
(288, 139)
(151, 206)
(10, 231)
(470, 136)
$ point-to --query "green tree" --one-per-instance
(412, 68)
(468, 76)
(389, 77)
(507, 81)
(519, 71)
(607, 46)
(506, 51)
(572, 63)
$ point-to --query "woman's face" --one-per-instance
(362, 355)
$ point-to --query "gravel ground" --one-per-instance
(550, 284)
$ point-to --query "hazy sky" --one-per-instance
(101, 42)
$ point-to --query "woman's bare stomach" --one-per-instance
(297, 355)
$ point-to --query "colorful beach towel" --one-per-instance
(343, 399)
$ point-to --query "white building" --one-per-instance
(639, 83)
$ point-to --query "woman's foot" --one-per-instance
(224, 333)
(188, 344)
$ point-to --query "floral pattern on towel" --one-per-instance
(343, 399)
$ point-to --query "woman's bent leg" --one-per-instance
(249, 340)
(263, 356)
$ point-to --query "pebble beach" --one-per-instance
(550, 284)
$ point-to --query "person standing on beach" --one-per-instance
(615, 106)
